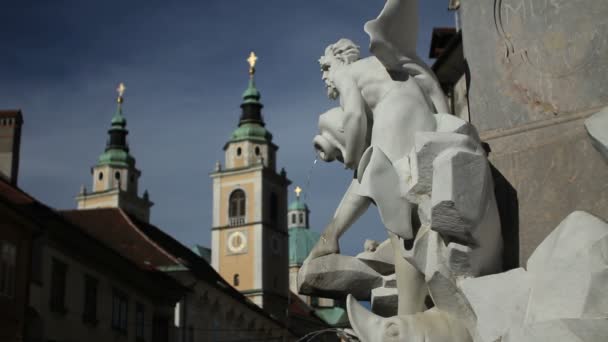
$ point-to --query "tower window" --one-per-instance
(257, 150)
(100, 176)
(301, 218)
(117, 175)
(293, 218)
(236, 207)
(235, 280)
(274, 210)
(238, 151)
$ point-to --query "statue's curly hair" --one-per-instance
(344, 50)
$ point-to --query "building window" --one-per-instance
(120, 311)
(160, 329)
(238, 151)
(117, 175)
(236, 207)
(89, 313)
(59, 272)
(257, 150)
(8, 261)
(100, 176)
(235, 280)
(139, 322)
(274, 207)
(301, 218)
(293, 218)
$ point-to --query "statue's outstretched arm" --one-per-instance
(349, 210)
(354, 124)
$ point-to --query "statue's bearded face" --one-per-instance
(332, 91)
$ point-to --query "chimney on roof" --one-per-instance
(10, 141)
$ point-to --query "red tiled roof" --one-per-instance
(13, 194)
(298, 306)
(115, 229)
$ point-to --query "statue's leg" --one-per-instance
(410, 282)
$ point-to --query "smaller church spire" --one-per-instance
(297, 211)
(117, 149)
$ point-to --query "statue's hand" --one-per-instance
(327, 244)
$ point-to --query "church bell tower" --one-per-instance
(249, 234)
(115, 177)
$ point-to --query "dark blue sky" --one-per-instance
(184, 68)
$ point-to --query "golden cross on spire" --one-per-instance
(121, 90)
(298, 190)
(251, 60)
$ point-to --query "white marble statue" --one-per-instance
(428, 175)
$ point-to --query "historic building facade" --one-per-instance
(212, 309)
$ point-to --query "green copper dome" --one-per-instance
(301, 242)
(251, 94)
(251, 131)
(118, 119)
(297, 205)
(116, 157)
(117, 149)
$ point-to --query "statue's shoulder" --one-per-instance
(367, 65)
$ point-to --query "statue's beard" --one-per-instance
(332, 91)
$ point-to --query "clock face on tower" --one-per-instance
(237, 242)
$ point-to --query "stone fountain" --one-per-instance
(438, 276)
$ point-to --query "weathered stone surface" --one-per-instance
(562, 330)
(384, 301)
(570, 271)
(499, 301)
(597, 127)
(532, 60)
(460, 194)
(335, 276)
(555, 170)
(432, 325)
(428, 145)
(536, 72)
(380, 259)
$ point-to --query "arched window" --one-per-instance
(117, 175)
(238, 151)
(235, 280)
(293, 218)
(257, 150)
(236, 207)
(301, 218)
(100, 176)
